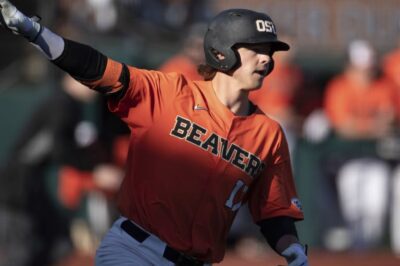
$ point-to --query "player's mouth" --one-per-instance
(262, 72)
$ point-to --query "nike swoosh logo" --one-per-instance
(197, 108)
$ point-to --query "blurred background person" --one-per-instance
(190, 55)
(360, 107)
(54, 150)
(357, 104)
(391, 145)
(391, 71)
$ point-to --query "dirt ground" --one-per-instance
(319, 258)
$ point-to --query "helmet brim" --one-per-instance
(276, 45)
(280, 46)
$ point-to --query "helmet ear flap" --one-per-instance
(230, 61)
(223, 59)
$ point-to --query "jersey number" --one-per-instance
(239, 186)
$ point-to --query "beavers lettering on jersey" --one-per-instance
(218, 146)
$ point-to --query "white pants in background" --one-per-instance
(363, 189)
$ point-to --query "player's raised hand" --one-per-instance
(14, 20)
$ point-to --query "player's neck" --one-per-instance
(229, 93)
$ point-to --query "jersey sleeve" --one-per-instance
(129, 90)
(273, 193)
(145, 96)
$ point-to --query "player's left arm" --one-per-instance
(281, 234)
(274, 204)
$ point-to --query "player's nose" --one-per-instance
(264, 58)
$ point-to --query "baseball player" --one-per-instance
(199, 149)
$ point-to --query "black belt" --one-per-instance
(170, 254)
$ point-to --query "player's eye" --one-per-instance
(263, 50)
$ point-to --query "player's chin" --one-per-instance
(257, 81)
(253, 83)
(256, 84)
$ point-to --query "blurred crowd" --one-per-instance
(357, 128)
(63, 170)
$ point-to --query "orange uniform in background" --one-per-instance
(277, 95)
(391, 70)
(391, 66)
(181, 64)
(190, 55)
(348, 103)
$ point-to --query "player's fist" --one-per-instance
(296, 255)
(11, 18)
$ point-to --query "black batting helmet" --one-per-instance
(238, 26)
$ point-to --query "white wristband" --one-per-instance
(51, 44)
(46, 41)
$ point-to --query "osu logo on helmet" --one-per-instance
(265, 26)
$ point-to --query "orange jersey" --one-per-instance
(344, 101)
(391, 70)
(192, 163)
(391, 66)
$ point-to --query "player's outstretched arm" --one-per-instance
(14, 20)
(81, 61)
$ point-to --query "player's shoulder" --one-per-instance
(269, 131)
(202, 84)
(183, 85)
(158, 75)
(266, 121)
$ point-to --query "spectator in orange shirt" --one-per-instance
(391, 71)
(191, 55)
(360, 107)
